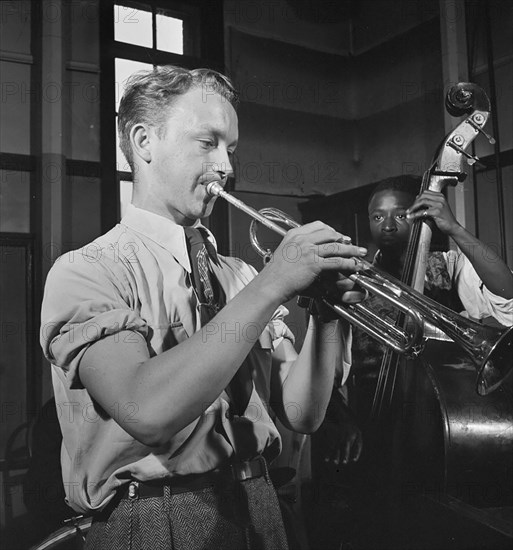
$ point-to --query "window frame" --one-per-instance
(210, 54)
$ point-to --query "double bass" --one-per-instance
(449, 442)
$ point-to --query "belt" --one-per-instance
(236, 471)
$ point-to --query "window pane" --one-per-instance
(133, 26)
(13, 324)
(85, 115)
(14, 201)
(121, 162)
(169, 34)
(125, 196)
(488, 210)
(85, 208)
(15, 106)
(15, 18)
(124, 68)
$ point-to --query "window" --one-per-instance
(15, 201)
(156, 29)
(169, 34)
(141, 35)
(123, 68)
(133, 25)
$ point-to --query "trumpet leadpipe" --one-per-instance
(408, 343)
(215, 189)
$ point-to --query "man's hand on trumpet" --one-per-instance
(311, 253)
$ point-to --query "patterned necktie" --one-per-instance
(209, 302)
(212, 299)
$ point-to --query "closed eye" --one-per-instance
(207, 143)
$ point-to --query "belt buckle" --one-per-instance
(133, 490)
(243, 470)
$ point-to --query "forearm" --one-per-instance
(307, 388)
(492, 270)
(172, 389)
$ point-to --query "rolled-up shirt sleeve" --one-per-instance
(343, 369)
(278, 329)
(84, 301)
(477, 300)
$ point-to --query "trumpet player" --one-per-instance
(172, 359)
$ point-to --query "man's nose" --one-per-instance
(223, 166)
(389, 224)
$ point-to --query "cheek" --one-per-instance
(164, 164)
(404, 230)
(174, 168)
(375, 232)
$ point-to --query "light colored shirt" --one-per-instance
(456, 273)
(136, 278)
(477, 300)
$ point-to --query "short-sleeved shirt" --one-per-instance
(136, 278)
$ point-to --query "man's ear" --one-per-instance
(140, 141)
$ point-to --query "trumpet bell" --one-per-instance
(497, 364)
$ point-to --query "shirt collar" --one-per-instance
(163, 231)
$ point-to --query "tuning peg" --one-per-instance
(476, 122)
(455, 144)
(457, 176)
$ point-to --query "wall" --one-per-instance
(331, 99)
(38, 80)
(49, 139)
(16, 205)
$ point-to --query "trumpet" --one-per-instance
(490, 348)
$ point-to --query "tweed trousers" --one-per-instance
(241, 515)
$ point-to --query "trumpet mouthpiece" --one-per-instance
(213, 188)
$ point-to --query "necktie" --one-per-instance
(212, 299)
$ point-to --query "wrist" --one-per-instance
(268, 288)
(457, 231)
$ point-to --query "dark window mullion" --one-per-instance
(124, 176)
(156, 57)
(17, 162)
(154, 27)
(109, 193)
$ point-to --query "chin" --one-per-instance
(391, 247)
(208, 207)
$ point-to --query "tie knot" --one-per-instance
(196, 239)
(194, 236)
